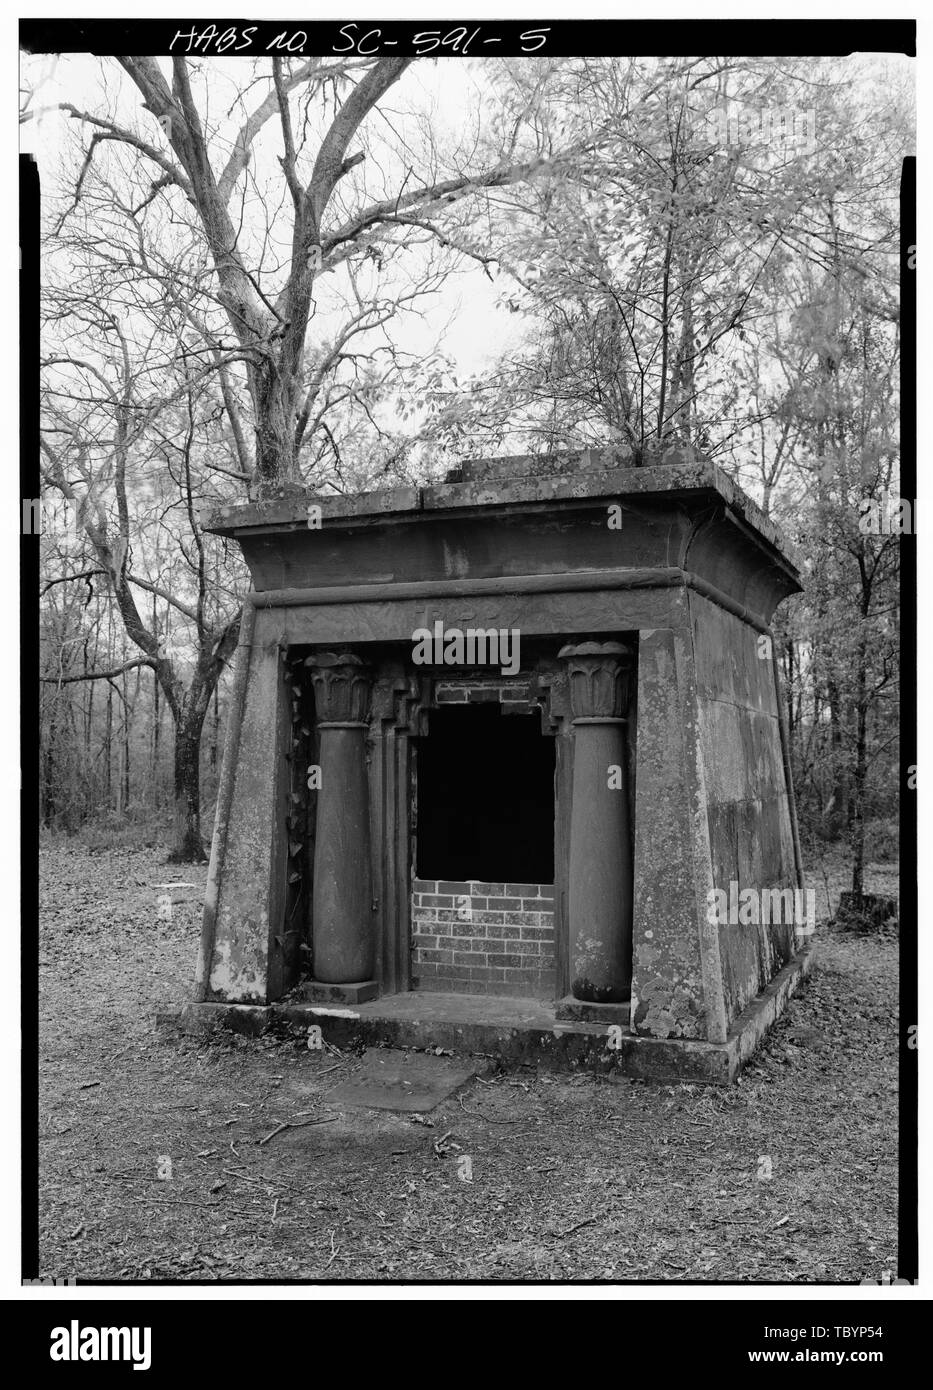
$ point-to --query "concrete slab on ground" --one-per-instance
(488, 1010)
(510, 1032)
(416, 1082)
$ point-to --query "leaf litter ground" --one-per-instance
(178, 1159)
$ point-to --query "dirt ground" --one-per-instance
(159, 1160)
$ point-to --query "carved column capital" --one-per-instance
(600, 679)
(342, 685)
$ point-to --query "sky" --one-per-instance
(475, 328)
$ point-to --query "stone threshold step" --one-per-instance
(518, 1032)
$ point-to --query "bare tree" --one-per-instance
(215, 635)
(268, 307)
(644, 269)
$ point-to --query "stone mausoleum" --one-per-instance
(493, 744)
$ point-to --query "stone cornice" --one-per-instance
(696, 483)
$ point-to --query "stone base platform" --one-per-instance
(570, 1010)
(316, 992)
(514, 1032)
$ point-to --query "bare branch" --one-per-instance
(331, 163)
(99, 675)
(239, 157)
(445, 192)
(163, 594)
(126, 137)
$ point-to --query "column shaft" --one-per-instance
(600, 888)
(343, 943)
(600, 867)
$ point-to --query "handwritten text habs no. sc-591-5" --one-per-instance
(353, 38)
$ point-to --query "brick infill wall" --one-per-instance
(513, 695)
(483, 938)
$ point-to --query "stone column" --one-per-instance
(600, 890)
(343, 943)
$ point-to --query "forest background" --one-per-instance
(348, 273)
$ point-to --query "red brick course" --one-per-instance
(483, 938)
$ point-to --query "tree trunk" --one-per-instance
(275, 429)
(860, 776)
(156, 716)
(156, 721)
(126, 746)
(187, 846)
(89, 800)
(108, 771)
(836, 815)
(215, 730)
(50, 806)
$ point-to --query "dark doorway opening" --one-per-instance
(485, 797)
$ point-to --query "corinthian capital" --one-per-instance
(599, 674)
(342, 683)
